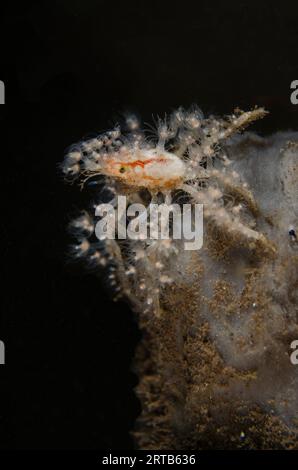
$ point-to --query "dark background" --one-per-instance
(69, 68)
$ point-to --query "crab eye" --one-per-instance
(122, 170)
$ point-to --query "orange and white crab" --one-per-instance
(183, 152)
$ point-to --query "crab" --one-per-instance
(183, 152)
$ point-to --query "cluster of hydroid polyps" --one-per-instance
(183, 161)
(214, 363)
